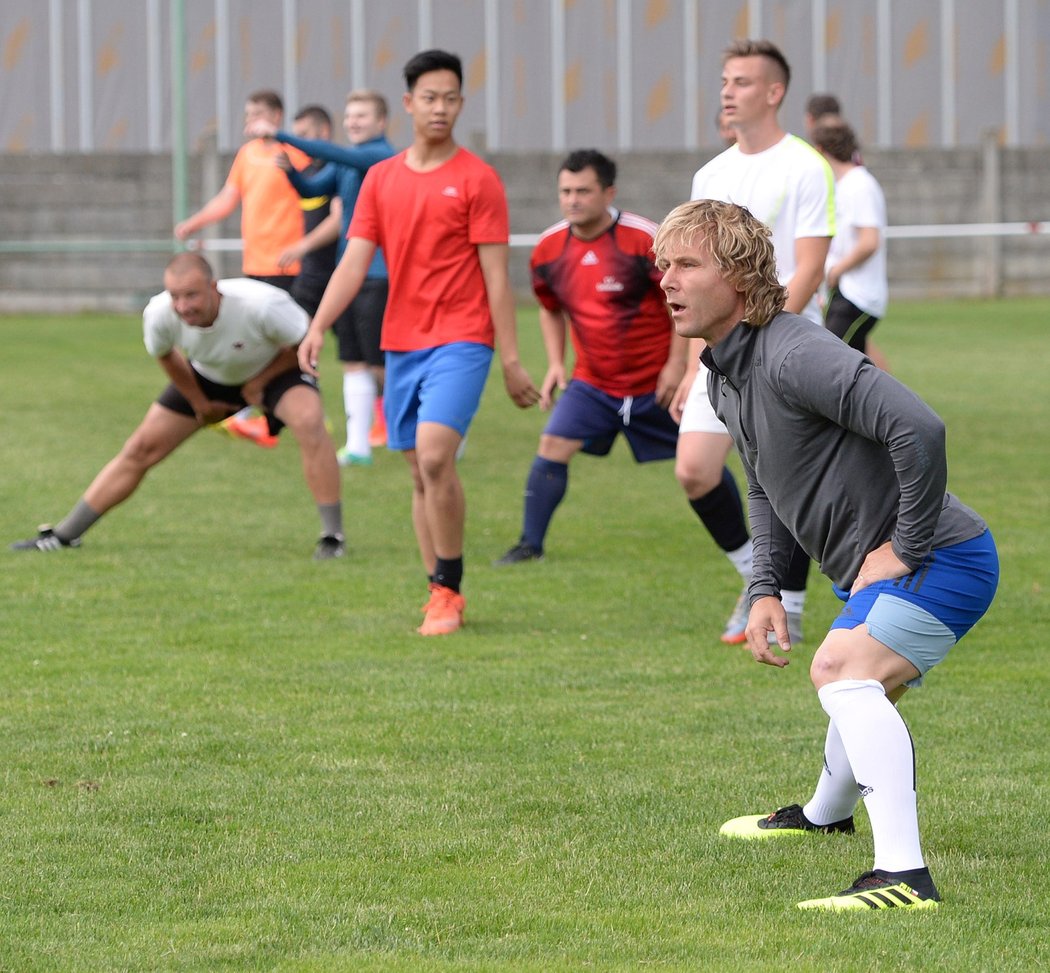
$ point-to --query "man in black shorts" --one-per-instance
(238, 343)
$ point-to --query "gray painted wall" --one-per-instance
(52, 201)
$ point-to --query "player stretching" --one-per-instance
(841, 456)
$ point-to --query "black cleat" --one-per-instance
(330, 546)
(785, 821)
(518, 553)
(46, 540)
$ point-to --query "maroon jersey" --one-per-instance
(609, 287)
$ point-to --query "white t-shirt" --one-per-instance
(859, 202)
(789, 187)
(255, 321)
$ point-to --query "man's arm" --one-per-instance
(493, 258)
(181, 375)
(553, 326)
(283, 361)
(342, 288)
(326, 232)
(221, 205)
(670, 378)
(810, 254)
(867, 244)
(356, 156)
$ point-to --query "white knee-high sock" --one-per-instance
(836, 793)
(741, 560)
(880, 751)
(359, 396)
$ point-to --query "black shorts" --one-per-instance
(847, 321)
(283, 281)
(360, 326)
(307, 292)
(172, 398)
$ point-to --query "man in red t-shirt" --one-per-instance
(594, 271)
(440, 215)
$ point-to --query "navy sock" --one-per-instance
(449, 573)
(544, 490)
(722, 513)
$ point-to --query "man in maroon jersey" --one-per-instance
(594, 271)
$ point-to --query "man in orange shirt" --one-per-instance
(440, 215)
(271, 217)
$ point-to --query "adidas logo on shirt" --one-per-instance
(589, 259)
(450, 191)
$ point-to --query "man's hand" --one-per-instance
(291, 255)
(282, 161)
(553, 382)
(260, 129)
(310, 351)
(211, 411)
(768, 615)
(252, 392)
(519, 386)
(880, 565)
(681, 394)
(668, 382)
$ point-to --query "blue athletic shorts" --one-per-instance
(922, 615)
(584, 412)
(442, 384)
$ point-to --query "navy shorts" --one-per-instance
(585, 413)
(172, 398)
(922, 615)
(359, 328)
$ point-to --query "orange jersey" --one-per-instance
(271, 217)
(429, 225)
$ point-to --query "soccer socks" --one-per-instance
(879, 747)
(78, 520)
(448, 573)
(741, 559)
(359, 397)
(722, 513)
(836, 793)
(331, 519)
(544, 489)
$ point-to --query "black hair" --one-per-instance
(316, 113)
(432, 60)
(604, 167)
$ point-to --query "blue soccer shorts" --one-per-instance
(442, 384)
(586, 413)
(922, 615)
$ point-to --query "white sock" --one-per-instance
(741, 559)
(836, 794)
(359, 396)
(880, 751)
(793, 601)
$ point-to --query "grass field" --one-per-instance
(219, 755)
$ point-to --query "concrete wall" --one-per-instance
(49, 201)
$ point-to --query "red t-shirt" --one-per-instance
(429, 225)
(609, 287)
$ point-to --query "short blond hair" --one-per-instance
(741, 247)
(373, 97)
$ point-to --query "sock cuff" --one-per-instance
(542, 465)
(359, 380)
(835, 694)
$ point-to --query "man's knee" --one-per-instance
(696, 477)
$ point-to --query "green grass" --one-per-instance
(218, 755)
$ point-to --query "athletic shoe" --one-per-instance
(784, 821)
(45, 540)
(882, 890)
(377, 434)
(346, 458)
(518, 553)
(444, 611)
(735, 633)
(256, 429)
(330, 546)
